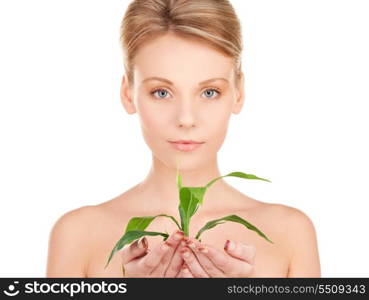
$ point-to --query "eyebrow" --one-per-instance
(171, 83)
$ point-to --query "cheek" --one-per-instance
(218, 126)
(150, 118)
(153, 123)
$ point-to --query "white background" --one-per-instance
(67, 142)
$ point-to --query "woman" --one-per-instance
(184, 80)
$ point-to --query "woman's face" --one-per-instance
(182, 106)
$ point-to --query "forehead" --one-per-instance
(178, 58)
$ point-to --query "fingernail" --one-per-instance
(229, 245)
(203, 249)
(142, 243)
(178, 236)
(226, 245)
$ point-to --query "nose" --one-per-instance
(186, 115)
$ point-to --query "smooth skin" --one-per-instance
(76, 240)
(181, 103)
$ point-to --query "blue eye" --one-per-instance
(159, 90)
(212, 90)
(162, 92)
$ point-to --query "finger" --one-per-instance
(176, 263)
(185, 272)
(229, 265)
(217, 257)
(192, 263)
(151, 260)
(173, 240)
(240, 251)
(204, 261)
(134, 250)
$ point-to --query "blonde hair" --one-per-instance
(211, 21)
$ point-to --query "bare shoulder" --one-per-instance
(292, 215)
(69, 242)
(298, 225)
(76, 220)
(290, 220)
(301, 236)
(296, 220)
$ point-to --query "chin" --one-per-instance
(188, 163)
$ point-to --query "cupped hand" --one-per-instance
(162, 261)
(204, 260)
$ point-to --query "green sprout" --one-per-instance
(190, 198)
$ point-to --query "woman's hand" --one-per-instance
(163, 261)
(203, 260)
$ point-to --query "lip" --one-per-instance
(186, 142)
(185, 145)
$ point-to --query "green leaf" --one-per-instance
(131, 236)
(190, 199)
(237, 174)
(182, 214)
(232, 218)
(141, 223)
(198, 192)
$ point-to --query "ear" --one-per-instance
(126, 96)
(240, 95)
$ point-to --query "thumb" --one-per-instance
(134, 250)
(240, 250)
